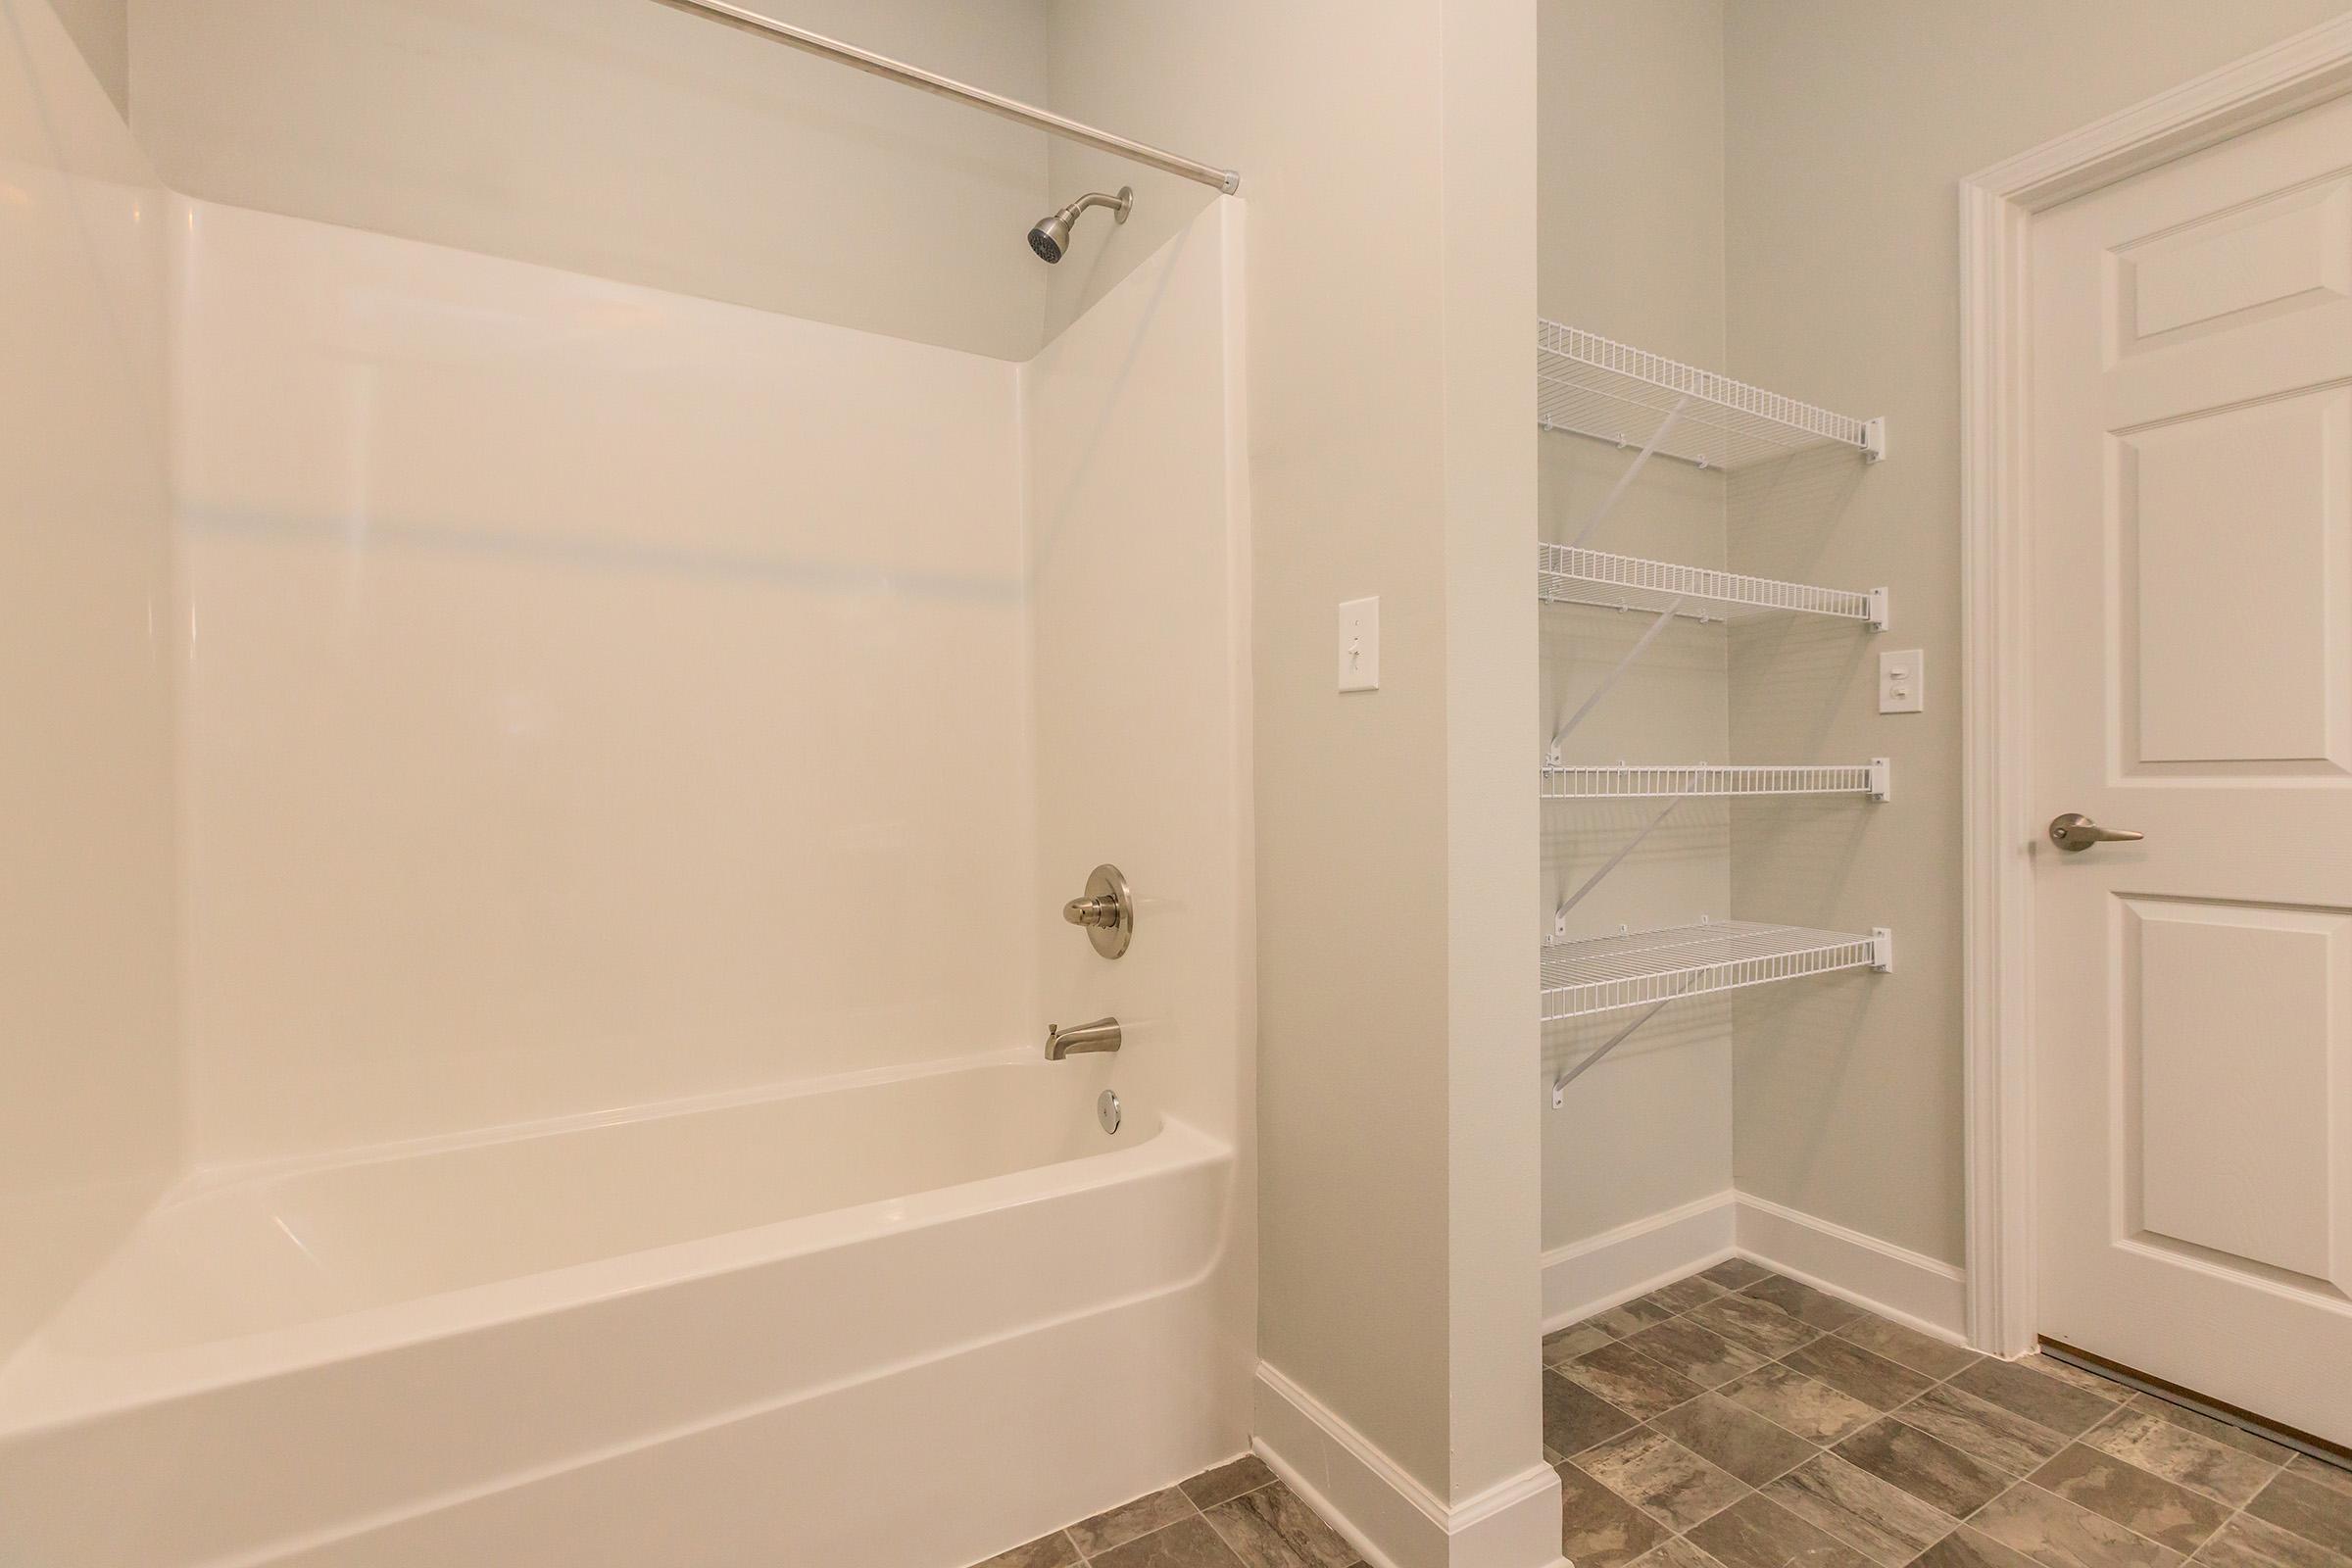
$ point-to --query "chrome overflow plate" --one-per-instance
(1106, 1110)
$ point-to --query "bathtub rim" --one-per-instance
(44, 1389)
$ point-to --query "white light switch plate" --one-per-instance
(1903, 682)
(1359, 644)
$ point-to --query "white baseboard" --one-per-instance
(1924, 1292)
(1592, 1275)
(1386, 1514)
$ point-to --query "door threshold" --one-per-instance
(2318, 1448)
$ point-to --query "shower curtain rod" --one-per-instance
(1225, 180)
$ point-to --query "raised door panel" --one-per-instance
(2233, 531)
(2234, 1059)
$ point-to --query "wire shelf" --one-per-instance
(1589, 385)
(1625, 781)
(1568, 576)
(1695, 961)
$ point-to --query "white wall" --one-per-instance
(1138, 559)
(1397, 1108)
(101, 30)
(1630, 246)
(594, 696)
(89, 1113)
(1851, 122)
(624, 140)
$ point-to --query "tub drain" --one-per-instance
(1106, 1111)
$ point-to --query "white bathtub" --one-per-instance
(900, 1322)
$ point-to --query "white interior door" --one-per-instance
(2192, 532)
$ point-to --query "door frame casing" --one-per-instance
(1997, 208)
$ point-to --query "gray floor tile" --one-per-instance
(1046, 1551)
(2046, 1401)
(2310, 1508)
(1804, 1304)
(2074, 1377)
(1806, 1406)
(1625, 1321)
(1698, 1353)
(1851, 1369)
(1272, 1527)
(2167, 1514)
(1968, 1548)
(2334, 1477)
(1187, 1543)
(1229, 1479)
(1660, 1477)
(1735, 1439)
(1754, 1325)
(1575, 1417)
(2057, 1534)
(1758, 1533)
(1735, 1273)
(2001, 1438)
(1884, 1523)
(2205, 1426)
(1576, 1339)
(1678, 1553)
(1630, 1381)
(1929, 1468)
(1129, 1520)
(2142, 1438)
(2246, 1541)
(1684, 1293)
(1909, 1347)
(1598, 1529)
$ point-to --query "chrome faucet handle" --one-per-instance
(1106, 911)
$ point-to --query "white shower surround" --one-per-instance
(597, 702)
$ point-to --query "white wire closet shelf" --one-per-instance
(1590, 385)
(1695, 961)
(1566, 574)
(1626, 781)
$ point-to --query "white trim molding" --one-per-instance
(1592, 1275)
(1385, 1513)
(1596, 1274)
(1924, 1292)
(1996, 211)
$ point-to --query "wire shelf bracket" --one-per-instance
(1570, 574)
(1590, 385)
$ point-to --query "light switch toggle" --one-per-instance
(1359, 644)
(1902, 682)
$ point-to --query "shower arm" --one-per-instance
(747, 21)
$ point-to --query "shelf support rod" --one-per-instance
(1613, 677)
(1560, 1085)
(1625, 478)
(1559, 915)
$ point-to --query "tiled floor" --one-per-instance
(1235, 1516)
(1737, 1419)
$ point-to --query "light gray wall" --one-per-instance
(624, 140)
(1849, 123)
(1387, 151)
(1629, 220)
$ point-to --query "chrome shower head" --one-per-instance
(1050, 238)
